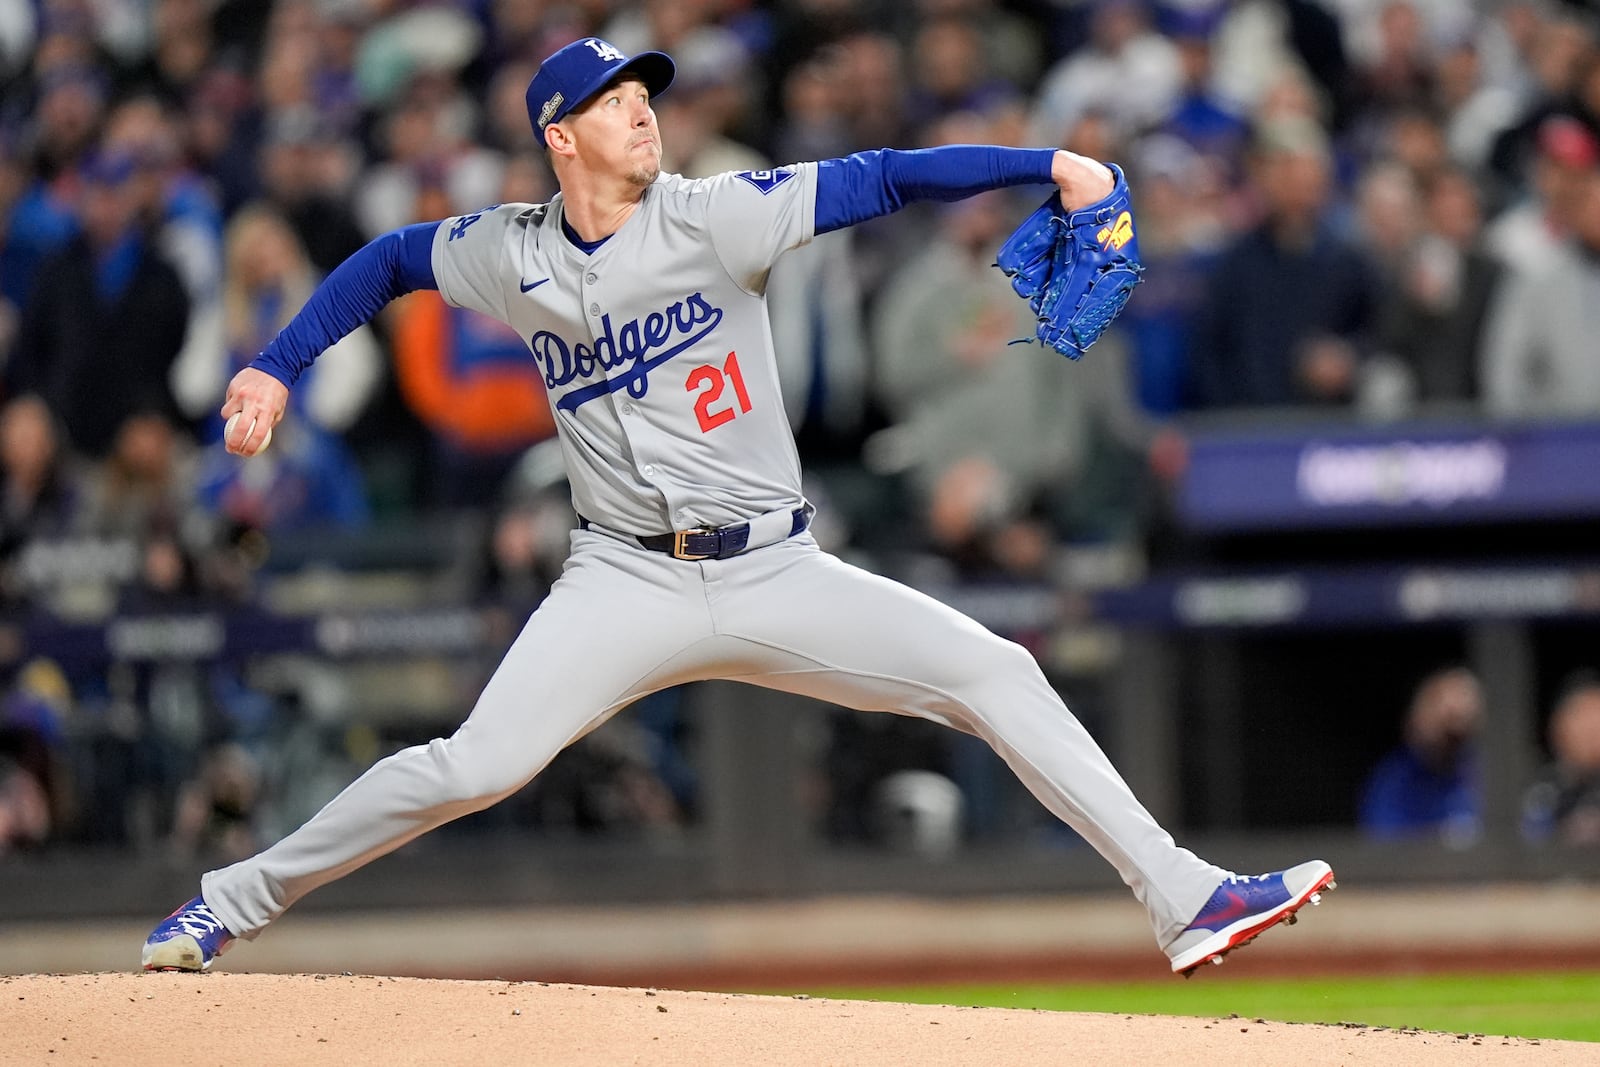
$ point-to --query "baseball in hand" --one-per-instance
(227, 431)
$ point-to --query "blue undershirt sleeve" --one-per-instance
(390, 266)
(869, 184)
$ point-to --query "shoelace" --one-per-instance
(1236, 879)
(199, 921)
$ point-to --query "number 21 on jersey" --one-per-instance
(709, 382)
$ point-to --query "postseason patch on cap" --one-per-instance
(549, 110)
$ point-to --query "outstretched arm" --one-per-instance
(869, 184)
(389, 266)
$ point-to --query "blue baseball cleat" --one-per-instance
(187, 940)
(1243, 906)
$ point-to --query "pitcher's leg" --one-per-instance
(880, 646)
(592, 646)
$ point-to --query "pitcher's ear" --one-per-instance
(557, 139)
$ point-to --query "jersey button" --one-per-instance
(627, 409)
(592, 278)
(594, 309)
(649, 470)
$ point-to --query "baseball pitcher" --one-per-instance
(641, 298)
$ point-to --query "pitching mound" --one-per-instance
(245, 1019)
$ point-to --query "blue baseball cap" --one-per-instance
(573, 74)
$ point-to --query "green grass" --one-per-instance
(1557, 1005)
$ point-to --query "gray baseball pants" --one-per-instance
(622, 622)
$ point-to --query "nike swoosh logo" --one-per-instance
(1236, 908)
(526, 286)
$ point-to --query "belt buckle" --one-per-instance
(679, 549)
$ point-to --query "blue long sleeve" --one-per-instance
(869, 184)
(399, 262)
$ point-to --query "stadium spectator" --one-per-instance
(24, 803)
(1562, 39)
(717, 63)
(1291, 96)
(1415, 139)
(815, 122)
(1428, 786)
(505, 126)
(1209, 122)
(1388, 212)
(35, 221)
(182, 48)
(145, 484)
(306, 170)
(468, 380)
(606, 783)
(427, 139)
(1507, 40)
(1013, 45)
(978, 433)
(66, 114)
(1290, 305)
(268, 277)
(878, 108)
(106, 308)
(1399, 74)
(1256, 45)
(1564, 804)
(696, 142)
(215, 811)
(37, 797)
(1433, 319)
(527, 541)
(222, 131)
(951, 72)
(1128, 73)
(1474, 109)
(814, 300)
(38, 492)
(1538, 352)
(862, 753)
(178, 210)
(1527, 233)
(307, 480)
(1181, 233)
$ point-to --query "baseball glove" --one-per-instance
(1075, 269)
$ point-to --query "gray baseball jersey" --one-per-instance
(659, 363)
(662, 378)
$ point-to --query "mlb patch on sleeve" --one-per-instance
(765, 180)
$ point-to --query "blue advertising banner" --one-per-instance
(1355, 596)
(1241, 482)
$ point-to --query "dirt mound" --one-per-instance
(245, 1019)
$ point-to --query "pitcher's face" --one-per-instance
(615, 132)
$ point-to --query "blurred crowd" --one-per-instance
(1431, 784)
(1370, 207)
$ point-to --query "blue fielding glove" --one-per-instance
(1075, 270)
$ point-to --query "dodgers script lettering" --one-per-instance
(639, 346)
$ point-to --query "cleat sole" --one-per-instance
(181, 953)
(1286, 917)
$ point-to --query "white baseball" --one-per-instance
(227, 431)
